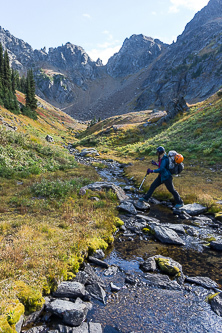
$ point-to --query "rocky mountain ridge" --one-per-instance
(144, 74)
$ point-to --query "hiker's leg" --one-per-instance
(153, 186)
(169, 185)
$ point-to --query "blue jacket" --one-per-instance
(164, 169)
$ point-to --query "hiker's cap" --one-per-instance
(160, 150)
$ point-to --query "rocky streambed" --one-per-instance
(162, 274)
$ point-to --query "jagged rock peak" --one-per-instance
(137, 52)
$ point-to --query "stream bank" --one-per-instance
(135, 299)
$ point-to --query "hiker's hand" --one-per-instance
(149, 171)
(154, 163)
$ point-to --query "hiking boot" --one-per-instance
(178, 206)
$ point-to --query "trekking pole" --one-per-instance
(142, 182)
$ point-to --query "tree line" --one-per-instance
(10, 81)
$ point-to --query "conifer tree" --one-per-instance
(7, 84)
(1, 73)
(31, 101)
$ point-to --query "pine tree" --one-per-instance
(1, 73)
(31, 101)
(7, 83)
(15, 80)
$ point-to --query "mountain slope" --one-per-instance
(144, 74)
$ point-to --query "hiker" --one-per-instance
(164, 177)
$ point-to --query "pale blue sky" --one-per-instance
(99, 26)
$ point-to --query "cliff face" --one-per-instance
(136, 53)
(145, 73)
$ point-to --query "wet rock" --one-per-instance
(147, 218)
(161, 281)
(72, 314)
(193, 209)
(149, 265)
(98, 262)
(128, 207)
(98, 186)
(39, 329)
(216, 245)
(218, 216)
(166, 235)
(88, 276)
(216, 304)
(70, 289)
(83, 328)
(171, 267)
(154, 201)
(178, 228)
(185, 216)
(112, 270)
(141, 205)
(192, 232)
(95, 290)
(114, 287)
(202, 281)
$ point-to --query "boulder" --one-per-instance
(170, 267)
(202, 281)
(72, 314)
(70, 289)
(216, 304)
(114, 287)
(216, 245)
(99, 254)
(141, 205)
(49, 138)
(95, 290)
(83, 328)
(88, 276)
(193, 209)
(166, 235)
(128, 207)
(112, 270)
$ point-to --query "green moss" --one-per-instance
(118, 222)
(97, 243)
(4, 325)
(149, 231)
(210, 239)
(31, 298)
(210, 297)
(166, 267)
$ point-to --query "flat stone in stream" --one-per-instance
(166, 235)
(202, 281)
(216, 245)
(193, 209)
(72, 314)
(161, 281)
(98, 262)
(141, 205)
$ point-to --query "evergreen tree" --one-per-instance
(1, 73)
(31, 101)
(15, 80)
(7, 83)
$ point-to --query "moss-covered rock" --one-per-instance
(167, 267)
(4, 325)
(210, 297)
(97, 243)
(118, 222)
(31, 298)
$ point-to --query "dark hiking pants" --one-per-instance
(169, 185)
